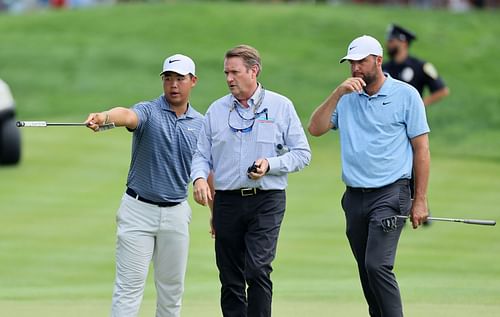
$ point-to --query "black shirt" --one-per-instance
(415, 72)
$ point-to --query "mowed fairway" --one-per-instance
(57, 209)
(57, 237)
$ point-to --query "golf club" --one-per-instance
(42, 124)
(467, 221)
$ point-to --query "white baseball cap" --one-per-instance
(179, 64)
(361, 47)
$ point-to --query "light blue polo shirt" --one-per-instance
(162, 149)
(375, 133)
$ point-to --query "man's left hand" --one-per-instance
(419, 212)
(262, 167)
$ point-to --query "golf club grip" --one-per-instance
(480, 222)
(21, 124)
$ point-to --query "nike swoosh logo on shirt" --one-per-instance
(386, 103)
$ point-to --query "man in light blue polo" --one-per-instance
(153, 219)
(383, 133)
(242, 139)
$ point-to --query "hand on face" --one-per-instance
(368, 74)
(353, 84)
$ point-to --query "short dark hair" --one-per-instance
(249, 55)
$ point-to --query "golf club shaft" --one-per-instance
(21, 124)
(65, 124)
(467, 221)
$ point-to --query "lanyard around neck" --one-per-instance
(255, 107)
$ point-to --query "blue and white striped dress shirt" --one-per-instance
(229, 153)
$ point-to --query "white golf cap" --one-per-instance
(361, 47)
(179, 64)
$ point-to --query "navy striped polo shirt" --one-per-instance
(162, 149)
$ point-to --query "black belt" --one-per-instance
(134, 195)
(244, 192)
(402, 181)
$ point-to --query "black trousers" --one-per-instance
(247, 231)
(373, 233)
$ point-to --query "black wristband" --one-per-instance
(197, 180)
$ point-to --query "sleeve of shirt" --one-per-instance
(335, 115)
(335, 120)
(202, 159)
(415, 117)
(432, 78)
(299, 154)
(143, 112)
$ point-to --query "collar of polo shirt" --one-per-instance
(166, 106)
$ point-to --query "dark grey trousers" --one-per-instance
(374, 244)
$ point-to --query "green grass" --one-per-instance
(89, 59)
(57, 208)
(57, 238)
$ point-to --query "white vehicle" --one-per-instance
(10, 138)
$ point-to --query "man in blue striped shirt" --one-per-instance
(153, 218)
(242, 142)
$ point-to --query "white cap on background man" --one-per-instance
(179, 64)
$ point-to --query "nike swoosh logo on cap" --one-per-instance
(170, 61)
(351, 48)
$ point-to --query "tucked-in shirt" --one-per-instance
(229, 153)
(162, 149)
(376, 132)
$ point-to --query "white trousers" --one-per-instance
(148, 233)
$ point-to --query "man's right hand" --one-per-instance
(320, 122)
(352, 84)
(201, 191)
(94, 120)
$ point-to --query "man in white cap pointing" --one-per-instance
(383, 133)
(153, 218)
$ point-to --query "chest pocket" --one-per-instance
(266, 130)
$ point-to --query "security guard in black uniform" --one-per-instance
(416, 72)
